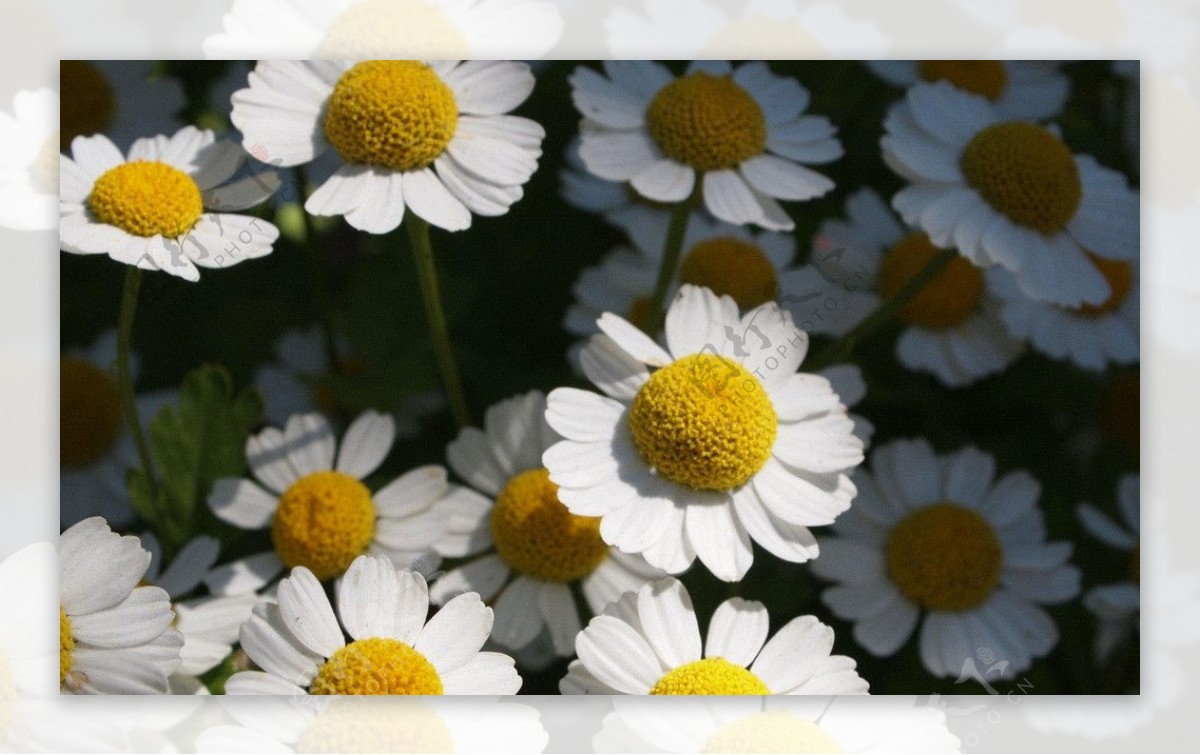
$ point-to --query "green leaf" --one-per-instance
(192, 446)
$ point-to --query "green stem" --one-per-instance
(316, 264)
(842, 349)
(133, 282)
(672, 248)
(418, 234)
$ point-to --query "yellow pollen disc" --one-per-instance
(703, 421)
(945, 301)
(324, 521)
(1135, 563)
(394, 113)
(1121, 409)
(983, 77)
(708, 122)
(385, 28)
(89, 417)
(710, 676)
(945, 557)
(147, 198)
(66, 645)
(377, 666)
(1119, 275)
(771, 731)
(1025, 173)
(731, 267)
(536, 534)
(87, 104)
(385, 726)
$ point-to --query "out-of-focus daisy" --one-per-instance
(321, 514)
(1115, 604)
(1008, 192)
(27, 584)
(1090, 335)
(953, 324)
(295, 383)
(29, 162)
(149, 209)
(1020, 89)
(738, 137)
(940, 536)
(95, 445)
(591, 193)
(481, 29)
(727, 259)
(209, 624)
(387, 724)
(775, 29)
(528, 550)
(430, 138)
(114, 636)
(791, 723)
(301, 649)
(121, 99)
(723, 443)
(648, 643)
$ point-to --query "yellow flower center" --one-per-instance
(377, 666)
(1121, 409)
(393, 726)
(1120, 281)
(710, 676)
(324, 521)
(771, 731)
(383, 28)
(732, 267)
(983, 77)
(945, 557)
(66, 645)
(147, 198)
(708, 122)
(536, 534)
(703, 421)
(946, 300)
(1025, 173)
(87, 104)
(394, 113)
(89, 414)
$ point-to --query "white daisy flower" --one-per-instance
(96, 448)
(528, 551)
(1008, 192)
(470, 157)
(1092, 336)
(648, 643)
(738, 136)
(939, 536)
(209, 624)
(727, 259)
(385, 724)
(27, 587)
(321, 514)
(121, 99)
(1032, 90)
(481, 29)
(723, 443)
(293, 383)
(1115, 604)
(590, 193)
(148, 209)
(114, 636)
(777, 29)
(301, 649)
(953, 326)
(790, 723)
(29, 162)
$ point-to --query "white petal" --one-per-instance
(455, 633)
(308, 614)
(791, 656)
(267, 640)
(242, 503)
(266, 453)
(632, 340)
(666, 180)
(429, 198)
(583, 415)
(484, 576)
(618, 656)
(412, 492)
(611, 368)
(778, 177)
(721, 542)
(737, 631)
(669, 622)
(489, 87)
(368, 598)
(485, 674)
(366, 444)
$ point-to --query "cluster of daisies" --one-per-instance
(700, 437)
